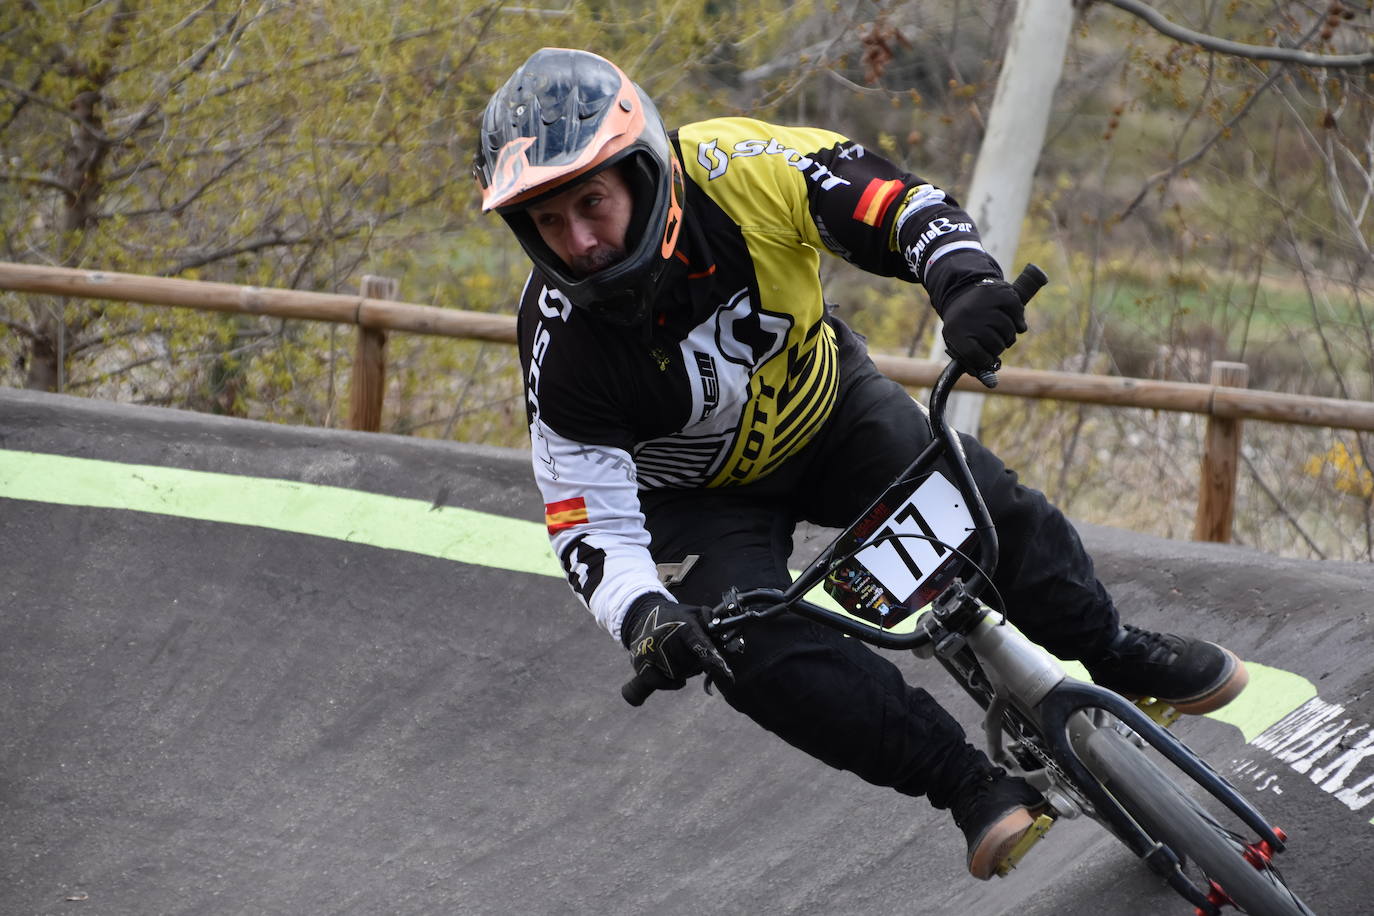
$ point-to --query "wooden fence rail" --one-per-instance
(375, 311)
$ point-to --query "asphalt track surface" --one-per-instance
(254, 669)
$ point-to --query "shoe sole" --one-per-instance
(1236, 677)
(997, 842)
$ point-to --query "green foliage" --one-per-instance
(294, 144)
(287, 144)
(1190, 206)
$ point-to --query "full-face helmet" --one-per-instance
(562, 117)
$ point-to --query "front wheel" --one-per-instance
(1246, 877)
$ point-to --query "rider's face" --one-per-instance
(586, 224)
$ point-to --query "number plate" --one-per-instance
(908, 560)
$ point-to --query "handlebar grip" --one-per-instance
(636, 690)
(1027, 283)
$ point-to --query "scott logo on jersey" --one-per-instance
(716, 160)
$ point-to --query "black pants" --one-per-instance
(832, 696)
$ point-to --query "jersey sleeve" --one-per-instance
(591, 508)
(837, 195)
(582, 464)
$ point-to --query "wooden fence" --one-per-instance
(1225, 400)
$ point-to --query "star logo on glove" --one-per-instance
(651, 637)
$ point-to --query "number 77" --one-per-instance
(895, 537)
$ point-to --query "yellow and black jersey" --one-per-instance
(740, 367)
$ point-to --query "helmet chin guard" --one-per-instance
(562, 117)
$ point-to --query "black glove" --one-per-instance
(982, 320)
(668, 643)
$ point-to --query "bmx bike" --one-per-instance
(905, 577)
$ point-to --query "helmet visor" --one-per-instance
(556, 119)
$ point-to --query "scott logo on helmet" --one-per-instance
(510, 165)
(716, 161)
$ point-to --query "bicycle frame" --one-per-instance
(1005, 670)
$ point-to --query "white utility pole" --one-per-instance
(1000, 191)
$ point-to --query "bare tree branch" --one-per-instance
(347, 53)
(46, 179)
(261, 243)
(1335, 192)
(76, 384)
(1225, 129)
(186, 21)
(257, 142)
(1195, 155)
(188, 68)
(23, 101)
(1237, 49)
(29, 96)
(194, 194)
(816, 57)
(97, 341)
(22, 330)
(1280, 507)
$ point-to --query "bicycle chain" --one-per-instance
(1058, 779)
(970, 673)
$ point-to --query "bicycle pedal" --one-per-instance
(1161, 712)
(1033, 835)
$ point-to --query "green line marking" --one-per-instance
(1271, 694)
(389, 522)
(416, 526)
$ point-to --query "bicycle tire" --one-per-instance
(1169, 816)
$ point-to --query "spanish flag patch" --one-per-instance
(877, 197)
(564, 514)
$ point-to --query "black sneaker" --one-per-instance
(994, 811)
(1191, 675)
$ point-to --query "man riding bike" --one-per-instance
(691, 399)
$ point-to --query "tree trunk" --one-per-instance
(1000, 190)
(81, 174)
(44, 363)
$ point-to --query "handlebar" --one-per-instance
(636, 690)
(1027, 283)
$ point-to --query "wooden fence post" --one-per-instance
(369, 362)
(1216, 498)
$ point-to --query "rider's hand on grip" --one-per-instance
(981, 321)
(668, 644)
